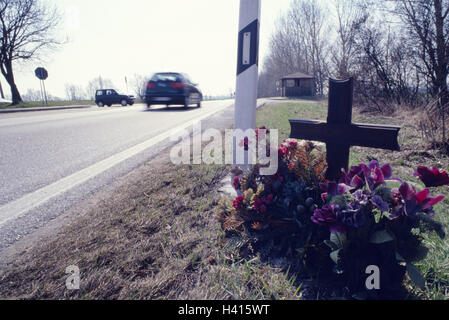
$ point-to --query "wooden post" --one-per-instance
(339, 113)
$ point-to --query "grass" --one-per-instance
(39, 104)
(156, 236)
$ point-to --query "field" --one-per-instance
(154, 234)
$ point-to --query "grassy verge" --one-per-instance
(156, 237)
(50, 104)
(414, 152)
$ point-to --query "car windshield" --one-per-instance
(171, 77)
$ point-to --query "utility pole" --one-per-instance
(247, 71)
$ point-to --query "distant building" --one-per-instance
(297, 85)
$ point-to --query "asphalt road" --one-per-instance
(50, 160)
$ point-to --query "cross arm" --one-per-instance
(363, 135)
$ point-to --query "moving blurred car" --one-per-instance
(172, 88)
(108, 97)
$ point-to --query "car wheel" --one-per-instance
(124, 103)
(109, 105)
(187, 102)
(198, 105)
(148, 105)
(100, 104)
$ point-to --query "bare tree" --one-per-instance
(74, 92)
(96, 84)
(299, 43)
(138, 83)
(27, 28)
(427, 23)
(32, 95)
(350, 17)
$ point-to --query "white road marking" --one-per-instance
(21, 206)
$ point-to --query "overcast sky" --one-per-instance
(115, 39)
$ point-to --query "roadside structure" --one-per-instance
(297, 84)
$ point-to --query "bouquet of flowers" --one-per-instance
(370, 223)
(341, 228)
(271, 214)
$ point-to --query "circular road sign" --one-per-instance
(41, 73)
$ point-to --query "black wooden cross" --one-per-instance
(339, 133)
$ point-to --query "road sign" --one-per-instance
(41, 73)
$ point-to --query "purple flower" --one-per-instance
(414, 202)
(327, 216)
(371, 174)
(353, 215)
(379, 203)
(375, 175)
(432, 177)
(332, 189)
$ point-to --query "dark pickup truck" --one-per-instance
(108, 97)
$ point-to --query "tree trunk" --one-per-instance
(9, 76)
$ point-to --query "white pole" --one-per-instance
(247, 69)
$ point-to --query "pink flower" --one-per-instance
(432, 177)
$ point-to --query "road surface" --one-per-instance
(50, 160)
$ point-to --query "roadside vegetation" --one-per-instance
(39, 104)
(157, 236)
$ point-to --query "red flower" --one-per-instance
(245, 143)
(236, 183)
(238, 202)
(260, 204)
(432, 177)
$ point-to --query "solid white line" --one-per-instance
(21, 206)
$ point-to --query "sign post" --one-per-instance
(42, 75)
(247, 71)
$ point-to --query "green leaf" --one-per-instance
(416, 276)
(335, 255)
(381, 237)
(338, 238)
(331, 245)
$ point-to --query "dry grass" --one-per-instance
(156, 237)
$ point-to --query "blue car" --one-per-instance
(171, 88)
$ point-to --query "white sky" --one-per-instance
(115, 39)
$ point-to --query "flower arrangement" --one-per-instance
(366, 218)
(271, 214)
(370, 223)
